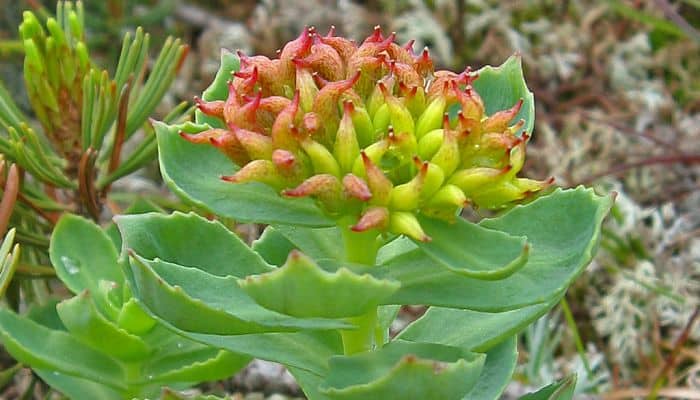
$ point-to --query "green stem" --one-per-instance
(360, 248)
(362, 338)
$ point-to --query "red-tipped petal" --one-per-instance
(283, 159)
(376, 35)
(356, 187)
(498, 122)
(257, 145)
(372, 218)
(256, 171)
(317, 185)
(211, 108)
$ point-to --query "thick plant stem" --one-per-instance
(360, 248)
(362, 338)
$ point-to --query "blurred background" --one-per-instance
(617, 87)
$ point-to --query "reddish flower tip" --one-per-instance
(446, 120)
(373, 217)
(376, 35)
(356, 187)
(283, 159)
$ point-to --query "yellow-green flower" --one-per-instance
(370, 131)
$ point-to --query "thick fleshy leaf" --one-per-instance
(178, 359)
(46, 315)
(78, 388)
(497, 372)
(308, 351)
(84, 322)
(403, 370)
(474, 330)
(134, 319)
(192, 241)
(503, 86)
(194, 172)
(473, 251)
(560, 390)
(385, 316)
(309, 383)
(82, 254)
(318, 243)
(170, 394)
(205, 367)
(218, 90)
(140, 206)
(176, 294)
(300, 288)
(562, 229)
(43, 348)
(273, 246)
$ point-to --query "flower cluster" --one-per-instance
(370, 131)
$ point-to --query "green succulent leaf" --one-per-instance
(44, 348)
(302, 289)
(83, 255)
(175, 293)
(218, 90)
(273, 246)
(317, 243)
(500, 364)
(178, 359)
(560, 390)
(503, 86)
(194, 173)
(190, 240)
(309, 383)
(403, 370)
(471, 250)
(134, 319)
(308, 351)
(562, 229)
(78, 388)
(140, 206)
(84, 322)
(385, 316)
(478, 331)
(169, 394)
(200, 364)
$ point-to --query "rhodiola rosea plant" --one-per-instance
(360, 158)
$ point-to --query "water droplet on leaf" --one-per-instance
(72, 266)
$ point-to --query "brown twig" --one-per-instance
(52, 217)
(616, 170)
(629, 131)
(9, 198)
(86, 183)
(633, 393)
(671, 359)
(678, 19)
(120, 133)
